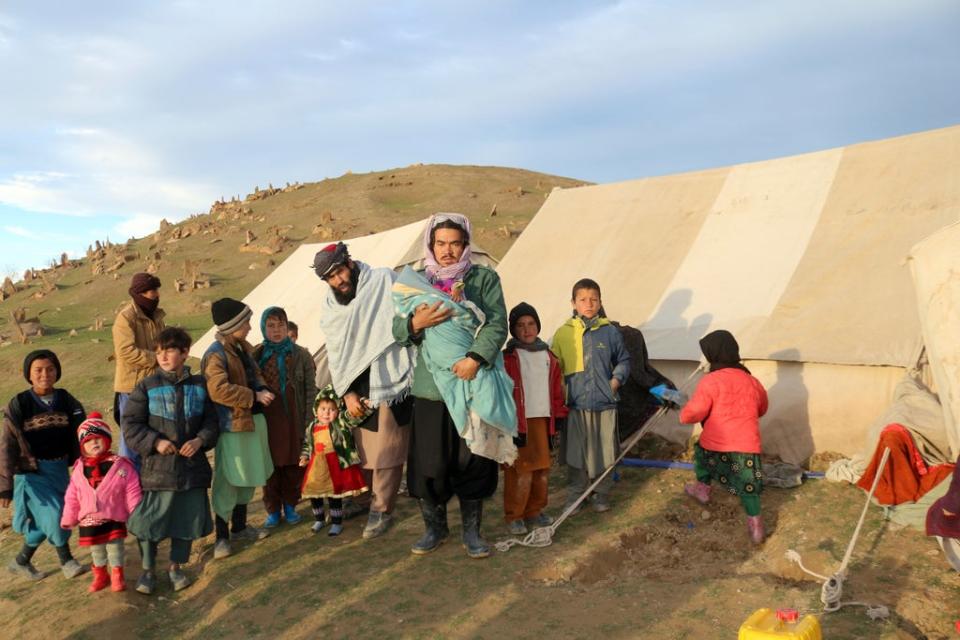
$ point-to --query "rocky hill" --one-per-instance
(69, 306)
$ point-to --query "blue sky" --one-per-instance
(114, 115)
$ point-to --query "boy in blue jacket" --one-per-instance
(595, 364)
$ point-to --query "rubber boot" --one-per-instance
(755, 529)
(101, 579)
(117, 580)
(273, 520)
(471, 513)
(435, 525)
(699, 491)
(290, 514)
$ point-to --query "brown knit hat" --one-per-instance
(143, 282)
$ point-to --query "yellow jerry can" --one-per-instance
(767, 624)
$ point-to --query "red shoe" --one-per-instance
(755, 528)
(101, 579)
(117, 582)
(699, 491)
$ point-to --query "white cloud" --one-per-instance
(20, 231)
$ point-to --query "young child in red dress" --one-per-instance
(330, 456)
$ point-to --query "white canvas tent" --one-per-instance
(935, 263)
(802, 258)
(294, 286)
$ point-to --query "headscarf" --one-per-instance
(445, 278)
(721, 350)
(280, 349)
(140, 284)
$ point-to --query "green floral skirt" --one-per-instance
(739, 473)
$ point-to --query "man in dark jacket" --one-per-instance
(170, 421)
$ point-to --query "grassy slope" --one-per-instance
(359, 204)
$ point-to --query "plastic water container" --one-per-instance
(767, 624)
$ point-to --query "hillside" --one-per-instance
(227, 251)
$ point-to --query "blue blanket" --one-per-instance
(482, 409)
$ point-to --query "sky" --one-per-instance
(114, 115)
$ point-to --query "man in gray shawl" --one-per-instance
(368, 367)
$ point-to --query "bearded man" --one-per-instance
(368, 367)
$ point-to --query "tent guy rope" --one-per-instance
(543, 536)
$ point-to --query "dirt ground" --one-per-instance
(656, 566)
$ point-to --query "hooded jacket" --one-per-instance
(590, 357)
(115, 498)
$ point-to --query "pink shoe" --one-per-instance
(698, 491)
(755, 528)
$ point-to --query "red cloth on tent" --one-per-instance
(906, 477)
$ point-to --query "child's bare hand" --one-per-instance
(265, 397)
(191, 447)
(429, 316)
(354, 405)
(303, 461)
(466, 369)
(165, 447)
(614, 385)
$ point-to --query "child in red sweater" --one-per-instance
(729, 402)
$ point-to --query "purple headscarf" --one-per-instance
(446, 276)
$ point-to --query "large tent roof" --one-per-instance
(294, 286)
(800, 257)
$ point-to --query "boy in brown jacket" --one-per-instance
(234, 384)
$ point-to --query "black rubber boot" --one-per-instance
(471, 511)
(435, 524)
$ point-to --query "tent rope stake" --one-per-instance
(543, 536)
(832, 589)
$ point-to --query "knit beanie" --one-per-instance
(94, 427)
(40, 354)
(229, 315)
(143, 282)
(522, 309)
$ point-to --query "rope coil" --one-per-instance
(831, 591)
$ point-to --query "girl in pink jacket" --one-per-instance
(729, 402)
(104, 489)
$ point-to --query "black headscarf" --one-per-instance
(721, 350)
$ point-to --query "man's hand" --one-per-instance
(354, 404)
(265, 397)
(466, 369)
(427, 316)
(165, 447)
(4, 503)
(191, 447)
(303, 461)
(614, 385)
